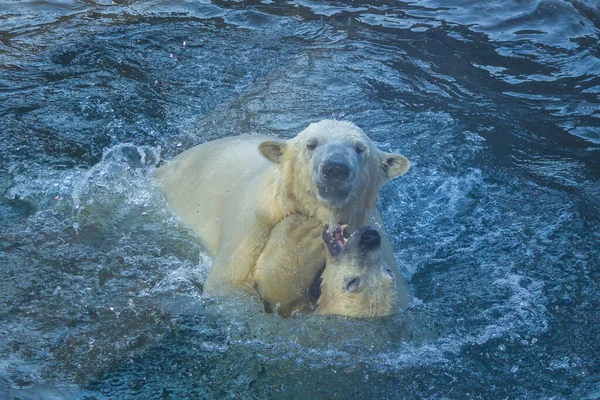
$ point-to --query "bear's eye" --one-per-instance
(311, 145)
(352, 284)
(360, 148)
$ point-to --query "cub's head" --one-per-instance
(356, 281)
(333, 164)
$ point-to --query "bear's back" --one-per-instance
(211, 182)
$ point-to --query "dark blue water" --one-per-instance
(496, 227)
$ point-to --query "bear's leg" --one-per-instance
(292, 259)
(235, 258)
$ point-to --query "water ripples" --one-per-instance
(495, 226)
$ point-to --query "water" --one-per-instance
(496, 226)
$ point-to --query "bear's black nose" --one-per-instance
(334, 170)
(370, 238)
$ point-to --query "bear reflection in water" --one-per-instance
(257, 202)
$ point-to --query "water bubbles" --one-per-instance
(122, 171)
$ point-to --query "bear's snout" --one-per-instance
(370, 238)
(336, 170)
(336, 177)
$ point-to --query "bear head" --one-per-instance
(333, 171)
(356, 281)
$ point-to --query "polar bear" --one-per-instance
(340, 274)
(356, 282)
(233, 192)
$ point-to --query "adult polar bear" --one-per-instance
(233, 191)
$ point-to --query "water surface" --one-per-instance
(495, 227)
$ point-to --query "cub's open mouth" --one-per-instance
(336, 239)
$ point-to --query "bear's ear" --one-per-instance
(272, 151)
(394, 165)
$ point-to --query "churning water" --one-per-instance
(496, 227)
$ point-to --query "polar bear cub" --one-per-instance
(333, 273)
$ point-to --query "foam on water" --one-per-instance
(117, 174)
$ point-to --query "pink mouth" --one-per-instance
(336, 239)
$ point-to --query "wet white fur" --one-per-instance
(283, 279)
(233, 196)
